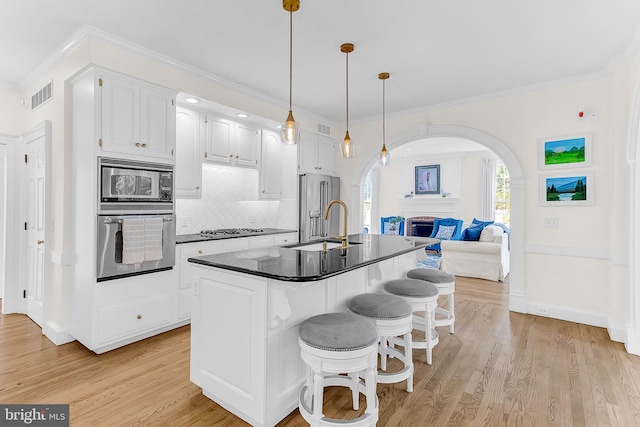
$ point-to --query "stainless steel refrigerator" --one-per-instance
(315, 193)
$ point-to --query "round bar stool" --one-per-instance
(391, 315)
(331, 345)
(423, 296)
(446, 284)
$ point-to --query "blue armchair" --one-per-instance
(392, 225)
(445, 229)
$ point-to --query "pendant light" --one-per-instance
(385, 156)
(290, 130)
(347, 150)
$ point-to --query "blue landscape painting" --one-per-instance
(566, 188)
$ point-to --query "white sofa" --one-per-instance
(487, 258)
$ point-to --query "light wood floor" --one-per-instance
(499, 368)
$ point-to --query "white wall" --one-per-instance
(460, 175)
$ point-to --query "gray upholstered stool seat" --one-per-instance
(331, 345)
(432, 275)
(423, 297)
(392, 317)
(379, 306)
(337, 332)
(446, 284)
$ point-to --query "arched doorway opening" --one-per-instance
(517, 300)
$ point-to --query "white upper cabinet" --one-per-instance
(217, 136)
(316, 154)
(247, 146)
(271, 166)
(189, 154)
(138, 118)
(231, 143)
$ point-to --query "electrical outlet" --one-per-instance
(551, 223)
(252, 219)
(541, 310)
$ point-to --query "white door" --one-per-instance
(35, 222)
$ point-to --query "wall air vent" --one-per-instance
(42, 96)
(324, 129)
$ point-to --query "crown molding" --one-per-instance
(87, 32)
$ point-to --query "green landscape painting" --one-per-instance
(564, 151)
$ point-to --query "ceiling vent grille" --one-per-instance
(43, 95)
(324, 129)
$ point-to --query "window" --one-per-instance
(503, 195)
(366, 205)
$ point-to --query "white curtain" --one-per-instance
(488, 189)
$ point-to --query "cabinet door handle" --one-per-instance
(144, 145)
(237, 157)
(198, 187)
(139, 316)
(137, 144)
(200, 251)
(40, 242)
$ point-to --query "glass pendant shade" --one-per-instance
(290, 131)
(385, 157)
(347, 149)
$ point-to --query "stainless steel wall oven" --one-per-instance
(136, 230)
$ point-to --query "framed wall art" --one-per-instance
(566, 190)
(567, 151)
(427, 179)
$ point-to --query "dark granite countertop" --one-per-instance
(289, 264)
(193, 238)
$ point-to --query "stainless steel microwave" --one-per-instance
(127, 186)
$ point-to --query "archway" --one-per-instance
(517, 300)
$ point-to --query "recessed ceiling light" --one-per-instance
(242, 115)
(192, 100)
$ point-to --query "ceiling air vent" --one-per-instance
(324, 129)
(42, 96)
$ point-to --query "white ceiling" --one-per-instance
(436, 51)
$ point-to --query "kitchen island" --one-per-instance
(247, 305)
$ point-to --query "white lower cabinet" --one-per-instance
(189, 250)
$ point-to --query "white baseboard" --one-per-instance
(569, 314)
(56, 334)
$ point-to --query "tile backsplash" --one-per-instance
(230, 200)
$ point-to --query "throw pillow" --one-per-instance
(484, 223)
(391, 228)
(490, 232)
(445, 232)
(473, 233)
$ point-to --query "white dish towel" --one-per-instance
(133, 242)
(153, 238)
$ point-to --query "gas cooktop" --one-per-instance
(224, 231)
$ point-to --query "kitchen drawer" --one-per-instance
(189, 250)
(127, 320)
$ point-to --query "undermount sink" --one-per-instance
(319, 246)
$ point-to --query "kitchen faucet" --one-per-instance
(326, 216)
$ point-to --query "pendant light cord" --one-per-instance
(384, 133)
(290, 57)
(347, 79)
